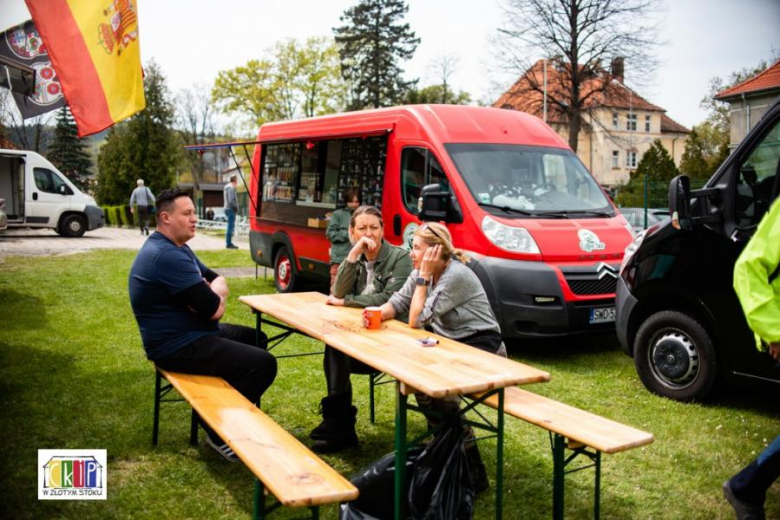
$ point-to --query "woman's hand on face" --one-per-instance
(332, 300)
(432, 263)
(364, 245)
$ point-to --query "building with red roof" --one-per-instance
(618, 127)
(749, 100)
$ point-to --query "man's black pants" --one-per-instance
(231, 355)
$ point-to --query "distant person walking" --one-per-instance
(231, 210)
(757, 284)
(143, 199)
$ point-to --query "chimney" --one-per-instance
(618, 68)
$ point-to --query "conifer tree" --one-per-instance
(144, 147)
(372, 43)
(67, 150)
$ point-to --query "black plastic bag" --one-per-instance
(376, 484)
(441, 485)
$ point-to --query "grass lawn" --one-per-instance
(73, 375)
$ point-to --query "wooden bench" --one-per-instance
(584, 433)
(282, 464)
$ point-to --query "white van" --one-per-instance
(37, 195)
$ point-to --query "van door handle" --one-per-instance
(397, 225)
(35, 195)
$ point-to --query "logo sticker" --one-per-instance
(72, 475)
(408, 235)
(589, 241)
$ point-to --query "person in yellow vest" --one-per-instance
(757, 284)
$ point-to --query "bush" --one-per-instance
(107, 214)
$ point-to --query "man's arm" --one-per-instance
(132, 201)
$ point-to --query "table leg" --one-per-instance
(500, 457)
(559, 475)
(400, 452)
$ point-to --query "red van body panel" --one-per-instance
(561, 278)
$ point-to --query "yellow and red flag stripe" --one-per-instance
(94, 47)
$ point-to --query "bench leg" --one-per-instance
(157, 397)
(558, 476)
(259, 501)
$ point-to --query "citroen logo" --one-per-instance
(606, 270)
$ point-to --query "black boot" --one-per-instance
(336, 432)
(477, 470)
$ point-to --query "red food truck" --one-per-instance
(545, 239)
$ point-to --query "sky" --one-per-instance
(192, 40)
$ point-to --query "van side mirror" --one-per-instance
(680, 202)
(437, 204)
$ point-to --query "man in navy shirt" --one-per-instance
(178, 302)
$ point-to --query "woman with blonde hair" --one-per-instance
(444, 295)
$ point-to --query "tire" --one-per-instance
(73, 226)
(675, 357)
(285, 275)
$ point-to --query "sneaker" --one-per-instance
(231, 246)
(745, 510)
(223, 449)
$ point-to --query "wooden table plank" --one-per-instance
(449, 368)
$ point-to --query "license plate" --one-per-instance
(602, 315)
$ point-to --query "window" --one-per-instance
(533, 179)
(615, 121)
(630, 159)
(647, 123)
(615, 159)
(313, 175)
(631, 123)
(419, 167)
(49, 182)
(757, 184)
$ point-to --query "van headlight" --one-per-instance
(632, 248)
(515, 239)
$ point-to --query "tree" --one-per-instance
(143, 147)
(443, 67)
(372, 42)
(67, 150)
(577, 36)
(195, 125)
(437, 94)
(295, 81)
(706, 148)
(656, 169)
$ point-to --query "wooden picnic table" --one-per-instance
(449, 368)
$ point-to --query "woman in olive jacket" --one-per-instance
(372, 271)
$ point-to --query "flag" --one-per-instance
(22, 44)
(95, 50)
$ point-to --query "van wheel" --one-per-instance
(285, 276)
(675, 357)
(73, 226)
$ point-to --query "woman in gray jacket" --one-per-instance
(443, 294)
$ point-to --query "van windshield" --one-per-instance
(535, 180)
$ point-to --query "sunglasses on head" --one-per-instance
(429, 228)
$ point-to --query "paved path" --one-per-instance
(34, 242)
